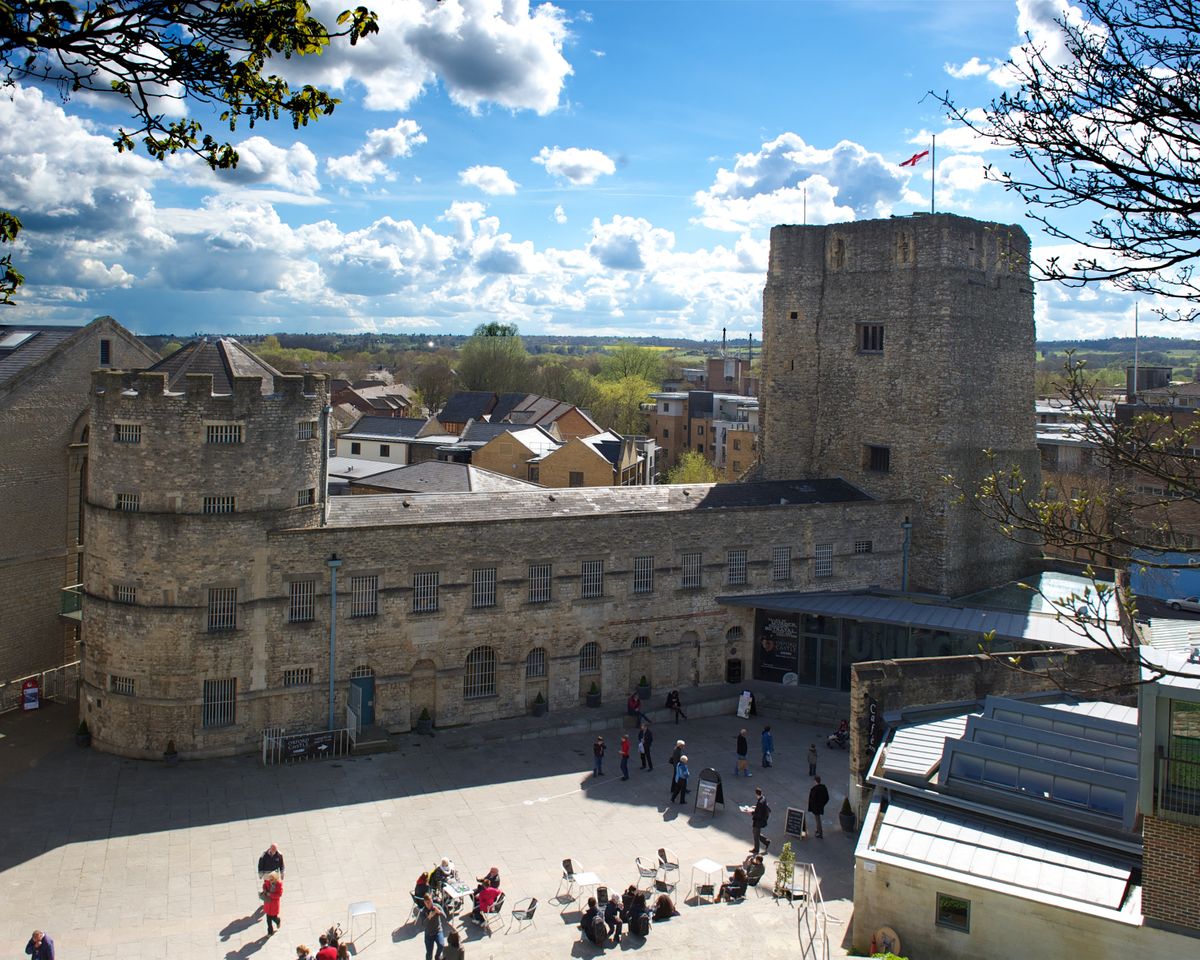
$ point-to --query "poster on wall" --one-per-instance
(776, 645)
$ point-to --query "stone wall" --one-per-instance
(954, 374)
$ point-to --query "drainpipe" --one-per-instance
(333, 563)
(906, 526)
(326, 411)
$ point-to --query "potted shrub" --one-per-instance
(846, 816)
(593, 695)
(83, 736)
(785, 871)
(425, 722)
(539, 705)
(171, 755)
(643, 689)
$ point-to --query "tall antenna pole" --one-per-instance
(806, 205)
(933, 175)
(1135, 351)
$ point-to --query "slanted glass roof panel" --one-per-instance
(10, 341)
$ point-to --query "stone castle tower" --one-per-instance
(193, 464)
(894, 352)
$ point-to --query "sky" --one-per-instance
(610, 168)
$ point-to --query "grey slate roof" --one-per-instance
(372, 428)
(34, 350)
(439, 476)
(222, 357)
(366, 511)
(467, 405)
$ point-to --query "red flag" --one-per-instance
(915, 159)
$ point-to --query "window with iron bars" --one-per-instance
(535, 663)
(641, 643)
(121, 685)
(540, 583)
(218, 504)
(592, 578)
(219, 708)
(736, 566)
(305, 497)
(306, 429)
(863, 546)
(483, 587)
(222, 609)
(364, 596)
(301, 600)
(125, 594)
(589, 658)
(425, 592)
(479, 680)
(643, 574)
(129, 502)
(127, 433)
(223, 433)
(823, 560)
(781, 563)
(692, 576)
(298, 677)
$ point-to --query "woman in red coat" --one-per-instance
(272, 893)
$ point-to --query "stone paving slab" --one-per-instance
(129, 859)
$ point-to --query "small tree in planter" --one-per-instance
(593, 695)
(539, 705)
(83, 736)
(425, 722)
(643, 689)
(785, 871)
(846, 816)
(171, 755)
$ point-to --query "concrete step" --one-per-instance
(373, 739)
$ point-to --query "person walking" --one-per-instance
(624, 756)
(812, 759)
(675, 704)
(434, 935)
(743, 749)
(40, 946)
(270, 862)
(272, 893)
(758, 820)
(647, 741)
(673, 760)
(598, 757)
(454, 948)
(679, 787)
(818, 797)
(768, 746)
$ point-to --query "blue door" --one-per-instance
(367, 687)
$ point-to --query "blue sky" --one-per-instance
(608, 168)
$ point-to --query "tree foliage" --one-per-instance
(692, 468)
(434, 383)
(1110, 130)
(160, 56)
(494, 359)
(630, 360)
(618, 405)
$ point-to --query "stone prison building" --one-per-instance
(224, 588)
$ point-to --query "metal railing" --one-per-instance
(278, 747)
(1178, 783)
(58, 683)
(70, 601)
(812, 923)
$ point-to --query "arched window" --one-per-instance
(641, 643)
(535, 663)
(589, 658)
(362, 671)
(480, 677)
(733, 635)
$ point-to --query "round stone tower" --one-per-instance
(193, 464)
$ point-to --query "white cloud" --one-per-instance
(578, 165)
(371, 161)
(629, 243)
(790, 181)
(493, 181)
(559, 215)
(972, 68)
(483, 51)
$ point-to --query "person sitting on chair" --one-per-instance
(489, 879)
(422, 886)
(735, 888)
(587, 924)
(755, 869)
(485, 899)
(441, 873)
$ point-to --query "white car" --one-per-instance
(1191, 604)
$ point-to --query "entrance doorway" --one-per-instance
(363, 679)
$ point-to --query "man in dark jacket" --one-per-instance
(818, 797)
(647, 739)
(758, 819)
(40, 946)
(270, 862)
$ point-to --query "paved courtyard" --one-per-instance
(124, 859)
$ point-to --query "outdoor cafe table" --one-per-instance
(708, 869)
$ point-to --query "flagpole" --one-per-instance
(806, 205)
(933, 175)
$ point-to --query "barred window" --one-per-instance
(121, 685)
(218, 504)
(222, 609)
(125, 594)
(301, 600)
(540, 583)
(220, 703)
(535, 663)
(781, 563)
(364, 596)
(641, 643)
(483, 587)
(589, 658)
(362, 670)
(692, 576)
(129, 502)
(127, 433)
(823, 560)
(643, 574)
(479, 680)
(863, 546)
(425, 592)
(306, 429)
(592, 579)
(870, 337)
(298, 677)
(877, 459)
(736, 564)
(223, 433)
(305, 497)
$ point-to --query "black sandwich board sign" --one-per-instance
(708, 791)
(794, 822)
